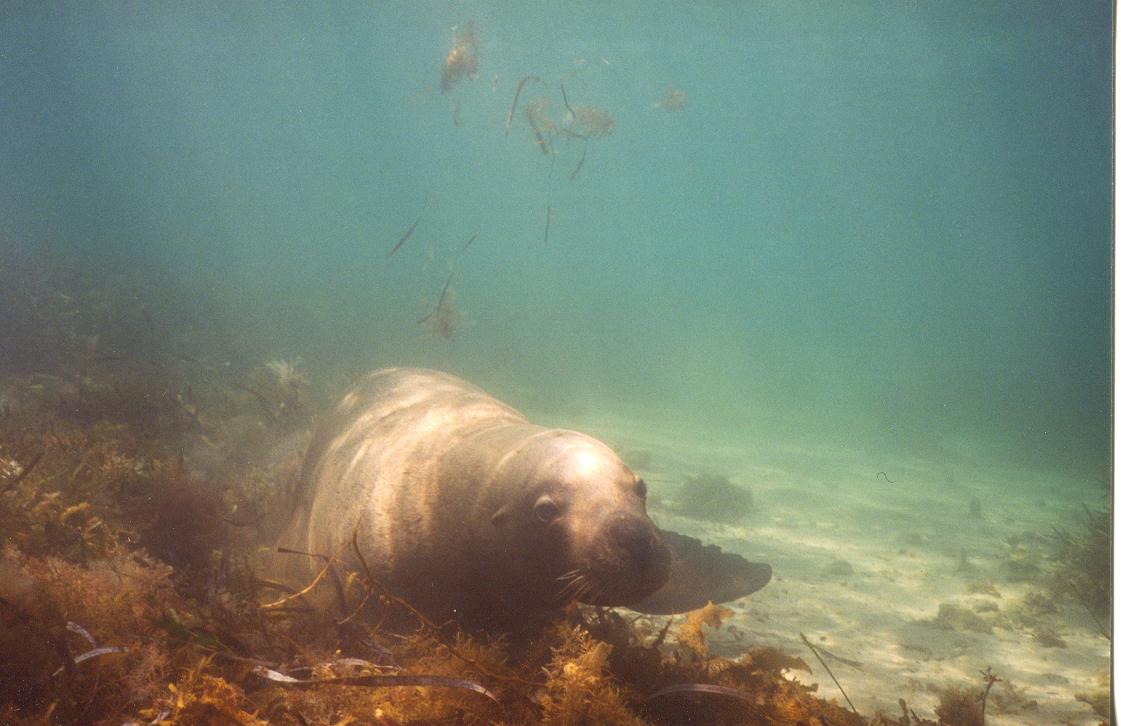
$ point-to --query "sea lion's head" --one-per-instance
(580, 518)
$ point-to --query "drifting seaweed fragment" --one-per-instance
(410, 230)
(445, 318)
(672, 100)
(579, 164)
(567, 105)
(288, 373)
(584, 122)
(464, 248)
(534, 114)
(589, 122)
(514, 103)
(462, 61)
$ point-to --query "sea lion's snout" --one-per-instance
(631, 561)
(637, 538)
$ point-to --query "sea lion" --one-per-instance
(466, 510)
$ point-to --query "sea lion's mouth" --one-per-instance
(630, 561)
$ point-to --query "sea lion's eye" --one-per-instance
(546, 510)
(640, 488)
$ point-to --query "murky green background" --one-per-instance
(881, 225)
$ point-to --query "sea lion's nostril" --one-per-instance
(634, 536)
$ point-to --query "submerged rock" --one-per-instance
(713, 497)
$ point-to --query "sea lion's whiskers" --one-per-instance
(577, 592)
(573, 586)
(573, 573)
(590, 593)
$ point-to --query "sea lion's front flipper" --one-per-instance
(700, 573)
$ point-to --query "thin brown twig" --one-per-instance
(662, 635)
(826, 667)
(311, 586)
(580, 164)
(517, 94)
(990, 679)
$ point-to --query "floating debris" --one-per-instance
(548, 221)
(584, 122)
(462, 60)
(288, 373)
(672, 100)
(540, 123)
(445, 318)
(564, 95)
(464, 248)
(410, 230)
(580, 164)
(589, 122)
(514, 103)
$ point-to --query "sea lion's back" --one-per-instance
(374, 455)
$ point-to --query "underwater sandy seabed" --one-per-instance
(908, 588)
(920, 583)
(131, 486)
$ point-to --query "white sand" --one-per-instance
(904, 542)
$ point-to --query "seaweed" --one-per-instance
(959, 707)
(462, 60)
(1083, 560)
(691, 633)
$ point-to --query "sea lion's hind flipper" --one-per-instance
(701, 573)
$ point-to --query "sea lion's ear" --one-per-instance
(700, 573)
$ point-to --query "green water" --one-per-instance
(880, 225)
